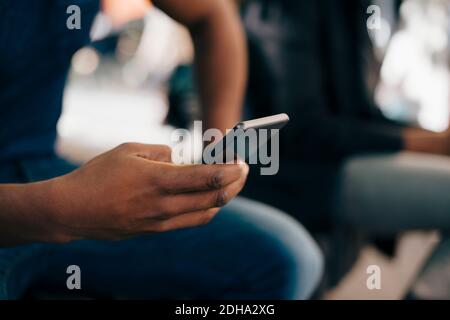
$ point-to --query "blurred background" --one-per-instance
(120, 86)
(134, 83)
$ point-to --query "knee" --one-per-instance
(301, 261)
(292, 259)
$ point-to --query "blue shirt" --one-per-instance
(36, 48)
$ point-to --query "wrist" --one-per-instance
(27, 215)
(45, 202)
(55, 209)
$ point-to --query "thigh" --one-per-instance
(15, 276)
(388, 193)
(249, 251)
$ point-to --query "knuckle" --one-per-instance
(216, 180)
(127, 146)
(166, 210)
(159, 181)
(166, 150)
(221, 198)
(165, 215)
(162, 153)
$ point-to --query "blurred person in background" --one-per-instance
(54, 215)
(344, 165)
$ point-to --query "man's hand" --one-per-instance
(131, 190)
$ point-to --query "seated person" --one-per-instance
(343, 164)
(54, 215)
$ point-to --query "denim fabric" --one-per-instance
(250, 251)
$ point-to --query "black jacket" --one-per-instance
(308, 59)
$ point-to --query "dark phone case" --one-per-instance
(276, 122)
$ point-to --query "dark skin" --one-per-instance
(221, 56)
(418, 140)
(135, 189)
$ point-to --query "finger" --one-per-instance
(156, 153)
(188, 220)
(188, 202)
(152, 152)
(195, 178)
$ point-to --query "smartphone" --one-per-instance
(241, 143)
(273, 122)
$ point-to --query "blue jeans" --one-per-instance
(250, 251)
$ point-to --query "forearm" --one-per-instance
(221, 65)
(419, 140)
(25, 214)
(221, 56)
